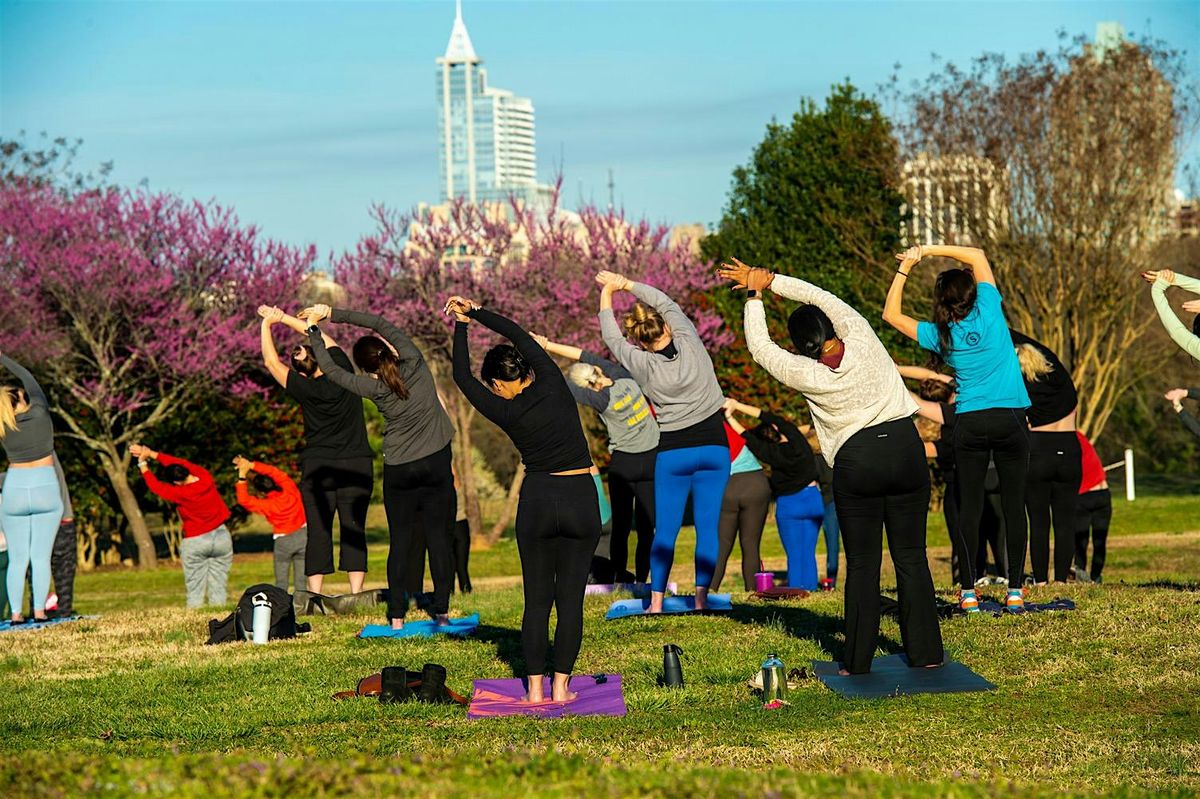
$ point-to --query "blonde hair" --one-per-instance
(8, 410)
(1034, 363)
(584, 374)
(644, 324)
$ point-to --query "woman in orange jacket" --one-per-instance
(277, 497)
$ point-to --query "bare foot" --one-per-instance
(561, 692)
(443, 620)
(701, 598)
(843, 673)
(397, 624)
(534, 693)
(656, 602)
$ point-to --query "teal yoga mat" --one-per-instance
(892, 676)
(623, 608)
(423, 629)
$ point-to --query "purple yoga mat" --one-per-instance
(493, 698)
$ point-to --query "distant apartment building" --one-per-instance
(951, 200)
(487, 145)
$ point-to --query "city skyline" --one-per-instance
(300, 116)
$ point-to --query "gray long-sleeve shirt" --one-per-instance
(417, 426)
(622, 407)
(684, 389)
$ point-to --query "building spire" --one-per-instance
(459, 49)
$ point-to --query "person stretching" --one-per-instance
(1054, 457)
(558, 515)
(279, 500)
(799, 510)
(969, 333)
(673, 367)
(863, 419)
(633, 436)
(207, 548)
(31, 507)
(418, 484)
(337, 465)
(1094, 512)
(744, 508)
(1160, 281)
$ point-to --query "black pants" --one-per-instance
(991, 533)
(1055, 470)
(631, 491)
(881, 479)
(1000, 435)
(558, 526)
(1093, 514)
(460, 545)
(63, 559)
(743, 515)
(343, 487)
(419, 496)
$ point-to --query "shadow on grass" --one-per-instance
(1169, 585)
(800, 622)
(508, 645)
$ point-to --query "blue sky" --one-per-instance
(301, 114)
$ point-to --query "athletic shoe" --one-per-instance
(828, 584)
(968, 602)
(1015, 601)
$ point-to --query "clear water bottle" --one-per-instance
(261, 621)
(774, 679)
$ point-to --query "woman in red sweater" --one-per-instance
(278, 499)
(207, 548)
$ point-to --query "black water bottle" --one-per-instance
(672, 670)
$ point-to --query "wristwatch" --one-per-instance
(752, 294)
(313, 330)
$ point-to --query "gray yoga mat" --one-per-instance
(891, 676)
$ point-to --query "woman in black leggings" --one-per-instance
(968, 332)
(1055, 460)
(418, 486)
(558, 516)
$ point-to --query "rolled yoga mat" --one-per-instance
(623, 608)
(892, 676)
(599, 695)
(423, 629)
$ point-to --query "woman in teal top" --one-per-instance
(970, 334)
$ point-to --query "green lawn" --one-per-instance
(1103, 699)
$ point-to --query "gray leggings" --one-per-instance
(206, 561)
(743, 516)
(289, 554)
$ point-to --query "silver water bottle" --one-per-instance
(774, 679)
(261, 621)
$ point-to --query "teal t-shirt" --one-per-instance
(605, 505)
(981, 353)
(745, 462)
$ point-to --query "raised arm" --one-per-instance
(893, 313)
(846, 321)
(362, 385)
(784, 424)
(479, 395)
(971, 256)
(921, 373)
(788, 368)
(282, 478)
(530, 350)
(393, 335)
(928, 410)
(36, 395)
(199, 472)
(670, 311)
(561, 350)
(613, 371)
(1178, 332)
(270, 355)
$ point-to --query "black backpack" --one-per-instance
(239, 625)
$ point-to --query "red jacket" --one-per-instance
(284, 509)
(200, 505)
(1093, 469)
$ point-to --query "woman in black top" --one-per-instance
(1055, 458)
(558, 516)
(799, 509)
(337, 464)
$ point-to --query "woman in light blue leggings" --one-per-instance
(31, 507)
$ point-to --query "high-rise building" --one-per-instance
(486, 135)
(951, 200)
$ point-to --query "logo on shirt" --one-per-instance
(973, 338)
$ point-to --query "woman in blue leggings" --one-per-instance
(673, 368)
(798, 506)
(32, 506)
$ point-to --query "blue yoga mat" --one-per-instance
(623, 608)
(891, 676)
(8, 626)
(422, 629)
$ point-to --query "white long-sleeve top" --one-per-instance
(865, 390)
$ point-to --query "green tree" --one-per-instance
(817, 200)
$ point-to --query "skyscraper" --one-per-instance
(486, 135)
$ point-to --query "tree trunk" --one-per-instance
(510, 507)
(464, 466)
(116, 469)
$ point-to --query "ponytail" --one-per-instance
(8, 410)
(374, 356)
(1034, 363)
(644, 324)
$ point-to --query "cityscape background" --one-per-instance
(300, 116)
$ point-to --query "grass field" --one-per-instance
(1103, 699)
